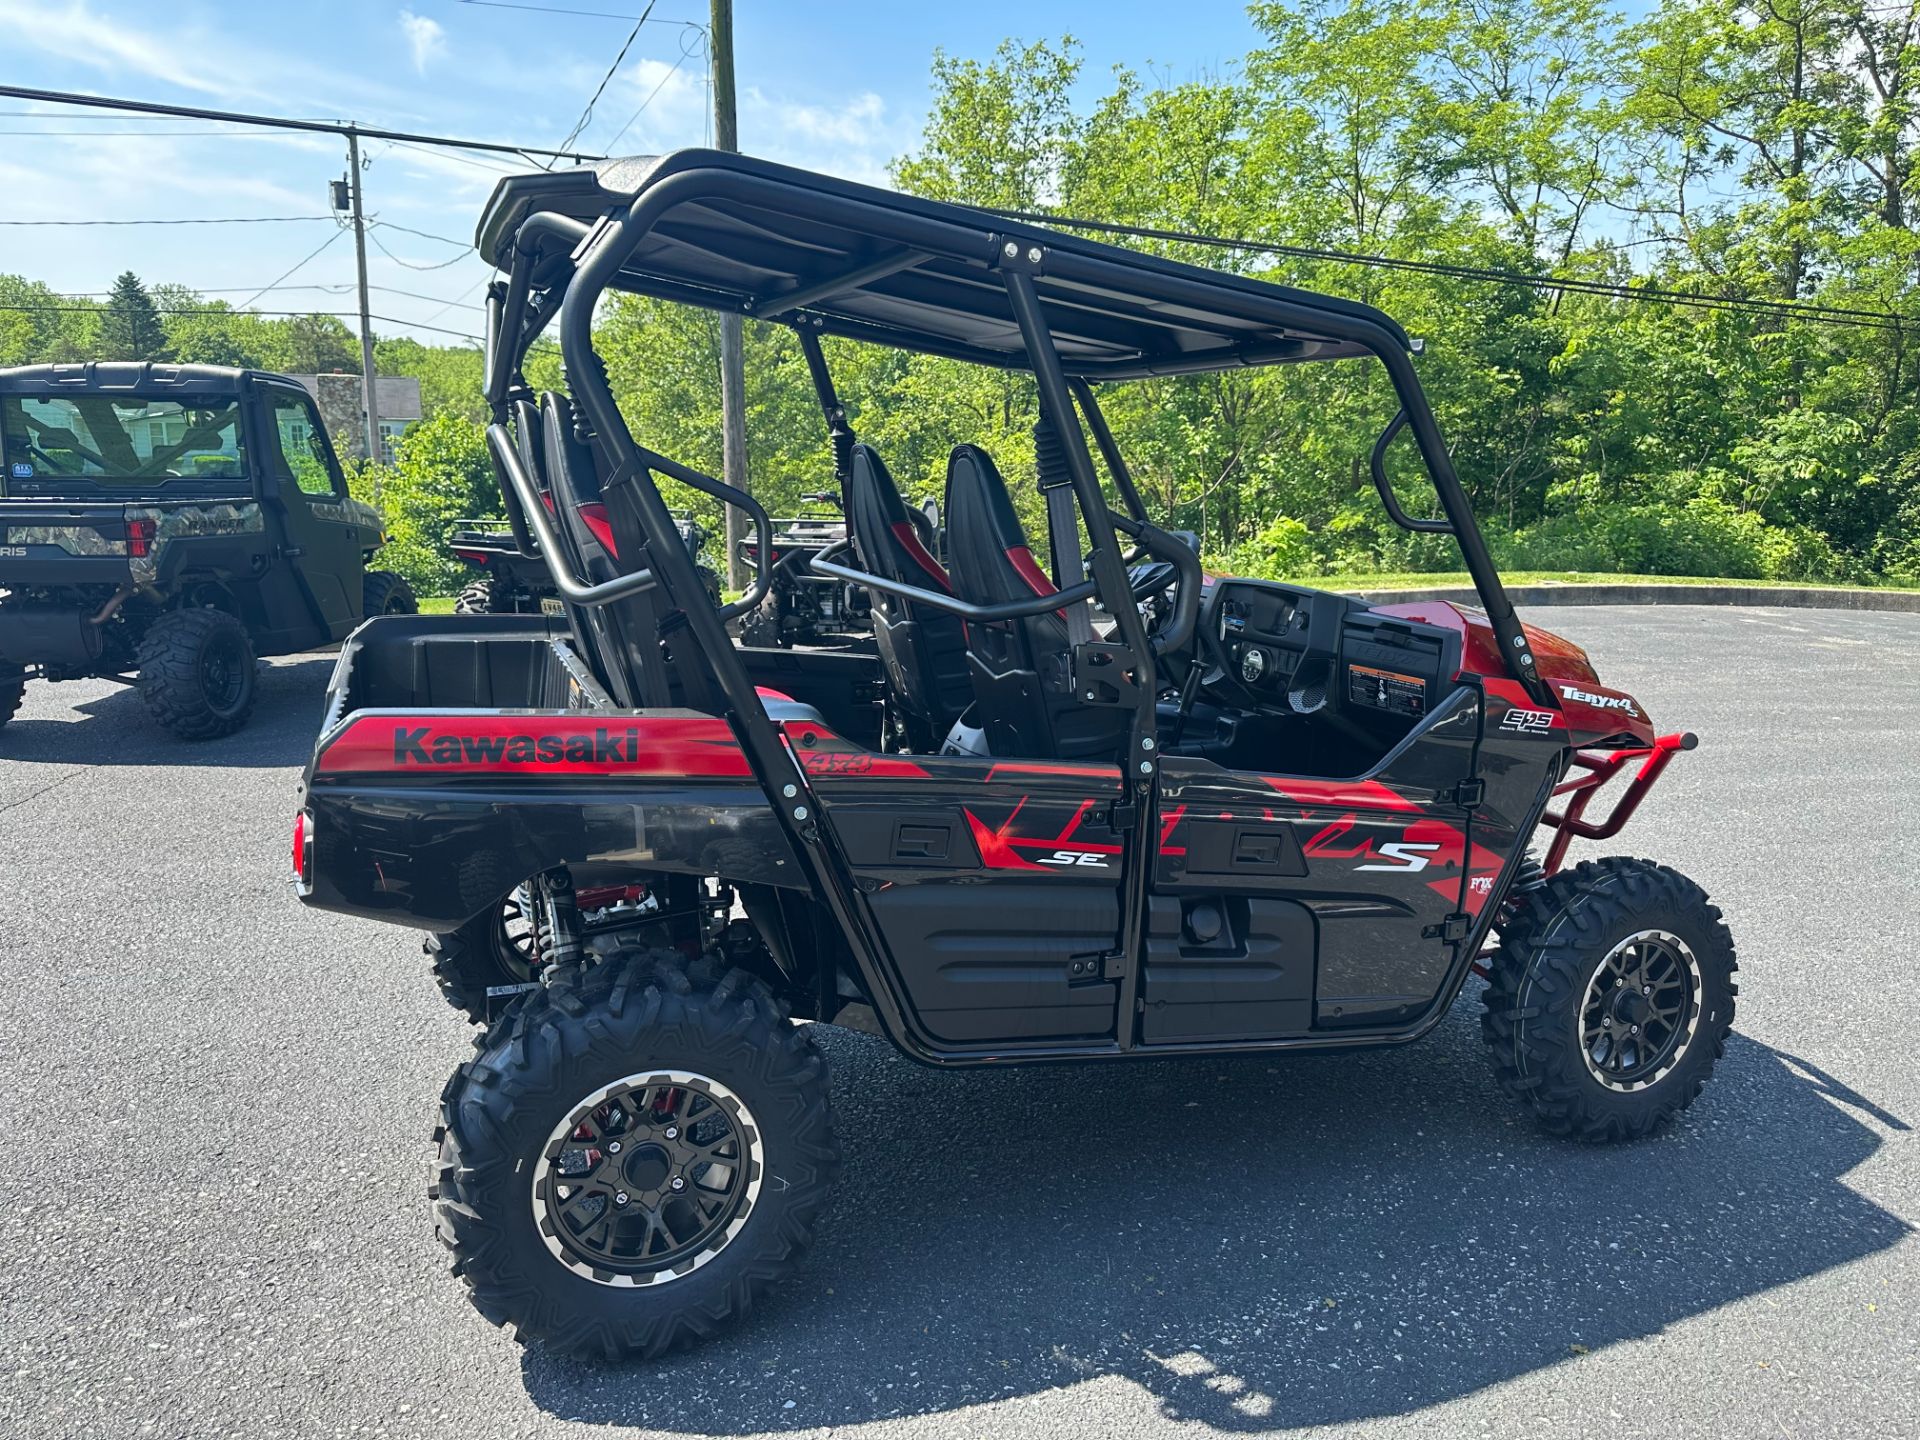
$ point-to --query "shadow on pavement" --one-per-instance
(1257, 1246)
(117, 730)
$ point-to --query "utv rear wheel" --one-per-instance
(13, 689)
(386, 593)
(1610, 998)
(635, 1154)
(197, 672)
(491, 959)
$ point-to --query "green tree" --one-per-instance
(130, 327)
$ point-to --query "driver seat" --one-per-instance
(924, 649)
(1022, 669)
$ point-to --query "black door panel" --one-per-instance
(1380, 862)
(1006, 960)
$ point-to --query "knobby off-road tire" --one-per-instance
(480, 598)
(197, 672)
(760, 626)
(1610, 998)
(594, 1060)
(13, 689)
(500, 950)
(386, 593)
(709, 582)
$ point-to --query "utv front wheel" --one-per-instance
(1610, 998)
(197, 673)
(634, 1155)
(386, 593)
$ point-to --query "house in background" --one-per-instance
(339, 398)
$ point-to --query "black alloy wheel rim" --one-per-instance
(516, 936)
(223, 674)
(1640, 1010)
(647, 1179)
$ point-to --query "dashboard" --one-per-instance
(1282, 646)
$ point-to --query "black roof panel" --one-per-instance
(735, 232)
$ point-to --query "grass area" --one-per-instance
(436, 604)
(1438, 580)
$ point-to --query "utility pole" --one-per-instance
(733, 363)
(372, 406)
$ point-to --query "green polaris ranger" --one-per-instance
(166, 525)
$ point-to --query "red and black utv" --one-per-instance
(1255, 818)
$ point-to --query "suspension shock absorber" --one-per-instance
(563, 920)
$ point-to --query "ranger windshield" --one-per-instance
(113, 444)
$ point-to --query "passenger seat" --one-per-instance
(924, 649)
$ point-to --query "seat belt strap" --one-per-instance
(1063, 528)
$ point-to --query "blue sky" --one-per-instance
(840, 87)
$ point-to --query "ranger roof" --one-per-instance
(141, 376)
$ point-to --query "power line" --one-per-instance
(586, 115)
(409, 264)
(423, 234)
(312, 255)
(204, 220)
(450, 153)
(277, 122)
(292, 314)
(1828, 314)
(685, 53)
(563, 10)
(229, 311)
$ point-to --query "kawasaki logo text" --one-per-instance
(603, 747)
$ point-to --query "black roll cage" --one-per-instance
(564, 263)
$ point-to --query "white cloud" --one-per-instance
(859, 122)
(184, 54)
(854, 139)
(74, 32)
(425, 38)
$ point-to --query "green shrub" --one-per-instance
(1282, 549)
(440, 474)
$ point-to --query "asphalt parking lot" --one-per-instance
(214, 1109)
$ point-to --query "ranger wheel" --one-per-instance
(13, 689)
(638, 1151)
(197, 673)
(498, 951)
(1610, 998)
(482, 597)
(709, 581)
(386, 593)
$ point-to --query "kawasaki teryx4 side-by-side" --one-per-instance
(172, 523)
(1256, 818)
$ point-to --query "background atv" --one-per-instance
(512, 583)
(803, 607)
(172, 523)
(1259, 818)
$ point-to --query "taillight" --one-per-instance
(139, 538)
(303, 849)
